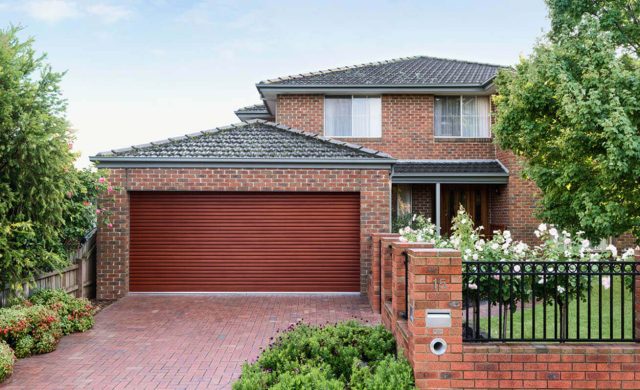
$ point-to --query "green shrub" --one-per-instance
(325, 358)
(390, 373)
(76, 314)
(30, 330)
(7, 360)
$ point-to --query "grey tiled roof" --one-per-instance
(449, 167)
(410, 71)
(254, 109)
(257, 139)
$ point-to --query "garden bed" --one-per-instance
(347, 355)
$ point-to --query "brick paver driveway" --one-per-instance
(177, 341)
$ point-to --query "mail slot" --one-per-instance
(438, 319)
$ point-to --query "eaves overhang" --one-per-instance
(450, 178)
(270, 89)
(152, 162)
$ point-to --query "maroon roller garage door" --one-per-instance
(237, 241)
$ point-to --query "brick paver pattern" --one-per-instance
(178, 341)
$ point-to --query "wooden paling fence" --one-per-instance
(78, 279)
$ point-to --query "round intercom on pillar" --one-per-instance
(438, 346)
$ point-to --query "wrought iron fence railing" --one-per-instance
(550, 301)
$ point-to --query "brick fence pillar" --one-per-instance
(398, 250)
(435, 287)
(378, 248)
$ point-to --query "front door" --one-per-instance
(474, 198)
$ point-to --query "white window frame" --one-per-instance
(461, 97)
(324, 115)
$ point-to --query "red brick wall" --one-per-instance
(407, 127)
(113, 243)
(520, 198)
(422, 200)
(407, 133)
(435, 282)
(303, 112)
(554, 366)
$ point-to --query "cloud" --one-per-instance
(52, 10)
(59, 10)
(109, 13)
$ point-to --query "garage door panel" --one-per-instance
(244, 241)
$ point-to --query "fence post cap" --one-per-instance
(433, 252)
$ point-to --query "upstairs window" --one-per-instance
(462, 116)
(353, 116)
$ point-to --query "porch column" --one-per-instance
(438, 206)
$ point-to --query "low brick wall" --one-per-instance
(548, 366)
(435, 284)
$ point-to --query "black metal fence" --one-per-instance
(550, 301)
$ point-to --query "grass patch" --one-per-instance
(611, 317)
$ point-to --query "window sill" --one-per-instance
(464, 140)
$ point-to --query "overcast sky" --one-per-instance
(140, 71)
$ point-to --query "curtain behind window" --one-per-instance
(337, 116)
(466, 116)
(367, 117)
(447, 116)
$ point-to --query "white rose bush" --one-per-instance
(510, 273)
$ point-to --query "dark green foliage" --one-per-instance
(402, 221)
(76, 314)
(7, 360)
(325, 357)
(571, 110)
(389, 373)
(46, 205)
(35, 161)
(30, 329)
(618, 17)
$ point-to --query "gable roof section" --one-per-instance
(418, 71)
(243, 144)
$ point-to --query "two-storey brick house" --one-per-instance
(286, 201)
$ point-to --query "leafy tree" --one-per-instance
(619, 17)
(571, 110)
(36, 163)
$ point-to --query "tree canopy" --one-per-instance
(571, 110)
(36, 162)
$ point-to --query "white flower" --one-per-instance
(537, 233)
(566, 233)
(475, 256)
(507, 234)
(613, 250)
(414, 217)
(542, 227)
(585, 243)
(402, 239)
(553, 232)
(561, 289)
(628, 253)
(567, 241)
(516, 268)
(467, 251)
(495, 246)
(567, 254)
(473, 286)
(606, 282)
